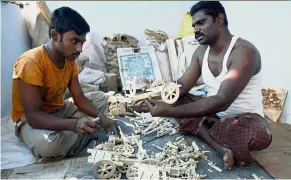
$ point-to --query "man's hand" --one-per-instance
(108, 123)
(158, 108)
(85, 125)
(137, 106)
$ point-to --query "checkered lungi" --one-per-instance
(241, 133)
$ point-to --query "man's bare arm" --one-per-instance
(192, 74)
(31, 101)
(81, 101)
(240, 72)
(86, 106)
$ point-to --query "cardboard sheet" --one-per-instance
(273, 102)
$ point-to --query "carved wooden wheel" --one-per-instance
(170, 93)
(123, 149)
(150, 161)
(116, 175)
(122, 169)
(104, 169)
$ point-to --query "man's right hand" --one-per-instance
(85, 125)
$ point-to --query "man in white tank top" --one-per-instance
(230, 118)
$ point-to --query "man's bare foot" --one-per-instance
(228, 159)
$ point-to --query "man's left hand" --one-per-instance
(158, 108)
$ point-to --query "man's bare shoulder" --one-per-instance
(243, 44)
(245, 47)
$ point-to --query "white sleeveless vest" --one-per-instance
(249, 100)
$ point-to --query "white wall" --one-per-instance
(266, 24)
(14, 41)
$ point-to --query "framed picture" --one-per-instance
(137, 64)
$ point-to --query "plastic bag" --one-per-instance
(186, 26)
(37, 25)
(110, 45)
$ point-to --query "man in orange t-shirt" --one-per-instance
(48, 125)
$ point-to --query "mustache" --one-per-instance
(198, 34)
(76, 54)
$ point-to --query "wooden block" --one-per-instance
(173, 57)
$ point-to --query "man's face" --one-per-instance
(70, 44)
(206, 30)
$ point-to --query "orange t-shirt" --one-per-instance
(34, 67)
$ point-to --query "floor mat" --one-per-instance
(276, 159)
(79, 168)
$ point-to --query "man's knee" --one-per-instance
(261, 140)
(98, 98)
(50, 143)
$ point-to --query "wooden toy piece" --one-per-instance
(116, 175)
(192, 168)
(112, 99)
(157, 83)
(123, 149)
(141, 153)
(104, 169)
(117, 109)
(110, 93)
(122, 169)
(136, 128)
(132, 172)
(214, 166)
(170, 92)
(153, 125)
(194, 145)
(131, 84)
(123, 99)
(201, 176)
(166, 131)
(124, 138)
(164, 175)
(139, 97)
(255, 176)
(106, 146)
(150, 161)
(133, 139)
(114, 139)
(97, 155)
(159, 128)
(147, 171)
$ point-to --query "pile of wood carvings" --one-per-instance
(145, 124)
(117, 103)
(117, 157)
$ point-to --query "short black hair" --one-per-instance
(65, 19)
(211, 8)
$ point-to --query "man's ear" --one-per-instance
(55, 35)
(220, 19)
